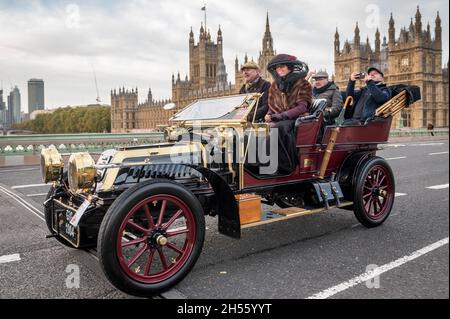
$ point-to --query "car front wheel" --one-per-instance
(151, 237)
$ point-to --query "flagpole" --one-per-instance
(205, 18)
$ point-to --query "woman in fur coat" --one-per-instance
(290, 96)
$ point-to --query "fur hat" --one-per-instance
(295, 65)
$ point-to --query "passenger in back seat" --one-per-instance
(326, 89)
(370, 97)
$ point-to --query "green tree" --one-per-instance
(91, 119)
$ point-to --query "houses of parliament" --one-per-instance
(414, 58)
(207, 78)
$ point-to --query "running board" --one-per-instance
(288, 213)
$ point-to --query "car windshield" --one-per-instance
(211, 109)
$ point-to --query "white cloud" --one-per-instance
(141, 43)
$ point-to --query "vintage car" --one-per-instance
(144, 208)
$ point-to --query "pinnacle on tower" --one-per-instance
(357, 39)
(391, 21)
(391, 30)
(337, 43)
(267, 42)
(377, 42)
(202, 32)
(438, 31)
(438, 19)
(418, 14)
(418, 21)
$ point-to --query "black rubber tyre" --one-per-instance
(373, 192)
(123, 212)
(286, 203)
(283, 203)
(48, 217)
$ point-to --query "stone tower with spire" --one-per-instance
(415, 58)
(412, 58)
(267, 52)
(265, 55)
(207, 78)
(355, 56)
(206, 63)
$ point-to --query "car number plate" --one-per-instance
(79, 213)
(65, 228)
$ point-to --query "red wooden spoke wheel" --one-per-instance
(151, 237)
(151, 250)
(377, 192)
(374, 192)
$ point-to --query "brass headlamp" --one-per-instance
(51, 164)
(81, 171)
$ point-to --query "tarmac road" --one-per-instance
(317, 256)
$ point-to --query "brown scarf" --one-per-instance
(280, 102)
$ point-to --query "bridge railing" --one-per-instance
(408, 132)
(33, 144)
(67, 143)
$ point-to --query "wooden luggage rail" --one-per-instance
(393, 106)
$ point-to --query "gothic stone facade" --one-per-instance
(414, 58)
(207, 78)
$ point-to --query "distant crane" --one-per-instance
(96, 85)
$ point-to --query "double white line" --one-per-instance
(35, 211)
(22, 202)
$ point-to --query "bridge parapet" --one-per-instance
(66, 143)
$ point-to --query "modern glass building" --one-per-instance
(35, 95)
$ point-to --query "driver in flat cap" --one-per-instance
(254, 83)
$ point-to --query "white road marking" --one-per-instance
(438, 187)
(395, 145)
(28, 186)
(36, 195)
(19, 170)
(25, 204)
(400, 194)
(378, 271)
(9, 258)
(35, 211)
(441, 153)
(395, 158)
(173, 294)
(427, 144)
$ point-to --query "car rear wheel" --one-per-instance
(151, 237)
(374, 192)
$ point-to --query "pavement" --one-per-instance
(326, 255)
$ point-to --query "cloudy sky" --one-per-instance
(140, 43)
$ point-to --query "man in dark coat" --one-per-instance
(372, 96)
(325, 89)
(254, 83)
